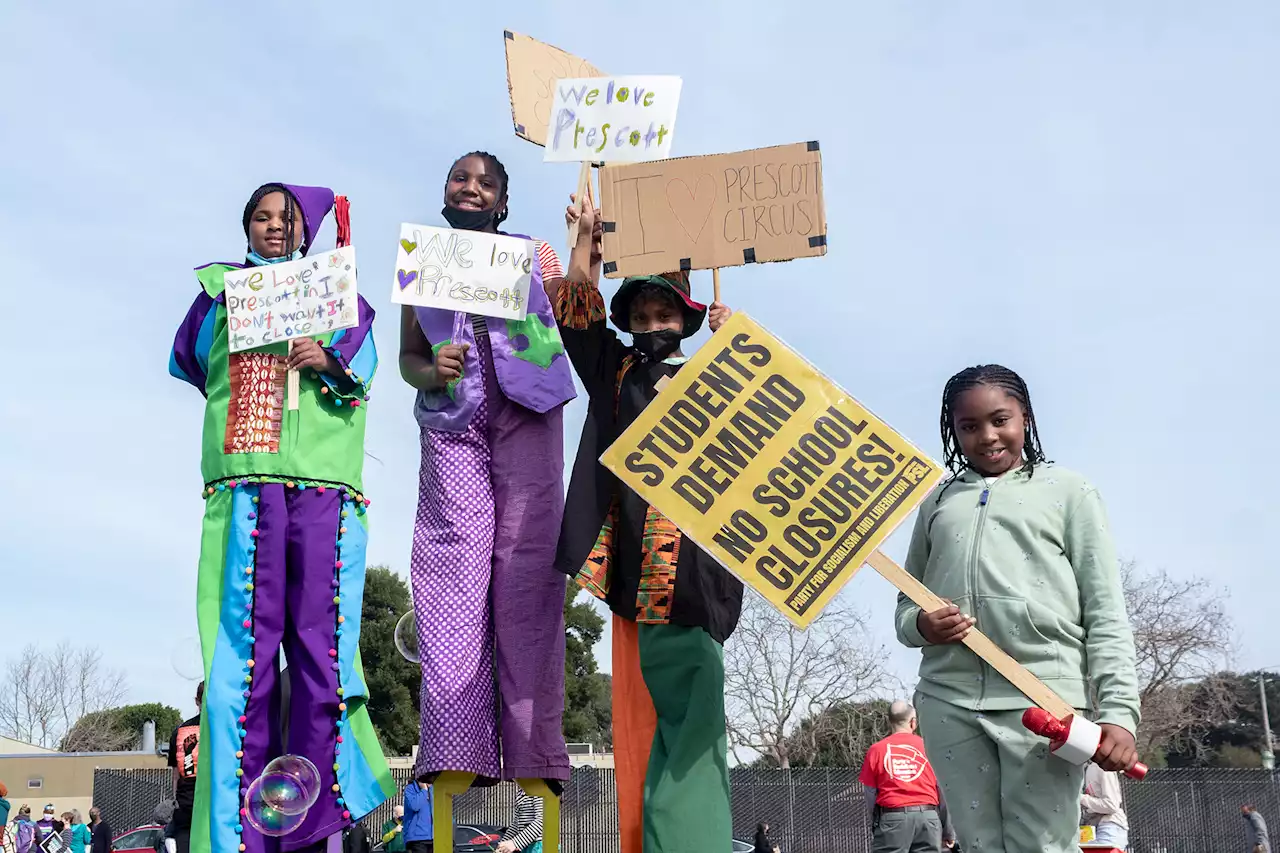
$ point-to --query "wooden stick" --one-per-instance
(1019, 676)
(292, 387)
(715, 284)
(584, 181)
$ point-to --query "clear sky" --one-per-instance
(1085, 192)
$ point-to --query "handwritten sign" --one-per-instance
(771, 468)
(625, 119)
(294, 299)
(468, 271)
(721, 210)
(533, 67)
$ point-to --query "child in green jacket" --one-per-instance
(1021, 549)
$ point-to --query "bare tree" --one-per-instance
(777, 676)
(1182, 636)
(43, 694)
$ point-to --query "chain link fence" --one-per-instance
(808, 811)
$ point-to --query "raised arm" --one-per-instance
(592, 347)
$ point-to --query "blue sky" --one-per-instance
(1084, 192)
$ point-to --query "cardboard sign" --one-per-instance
(293, 299)
(621, 119)
(771, 468)
(721, 210)
(469, 271)
(533, 67)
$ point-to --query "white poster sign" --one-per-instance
(293, 299)
(612, 119)
(470, 271)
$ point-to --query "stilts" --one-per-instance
(550, 812)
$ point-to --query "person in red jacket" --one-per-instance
(908, 812)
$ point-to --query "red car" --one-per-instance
(144, 839)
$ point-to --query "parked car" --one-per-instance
(742, 846)
(469, 838)
(141, 840)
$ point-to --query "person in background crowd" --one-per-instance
(62, 828)
(4, 807)
(1255, 830)
(418, 802)
(81, 837)
(101, 831)
(26, 835)
(184, 753)
(908, 811)
(393, 832)
(1102, 806)
(764, 844)
(46, 821)
(525, 833)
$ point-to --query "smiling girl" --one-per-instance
(1021, 548)
(490, 498)
(282, 554)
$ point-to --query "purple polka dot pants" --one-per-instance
(489, 605)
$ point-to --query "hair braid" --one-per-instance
(995, 376)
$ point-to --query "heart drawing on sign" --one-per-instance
(692, 208)
(407, 245)
(406, 278)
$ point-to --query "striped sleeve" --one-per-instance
(549, 261)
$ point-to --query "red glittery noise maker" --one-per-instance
(342, 215)
(1074, 739)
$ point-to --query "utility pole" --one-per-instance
(1268, 757)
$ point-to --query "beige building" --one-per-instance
(36, 776)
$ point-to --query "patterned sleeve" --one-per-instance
(528, 821)
(356, 353)
(549, 261)
(189, 358)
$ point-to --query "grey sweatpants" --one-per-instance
(1005, 792)
(908, 832)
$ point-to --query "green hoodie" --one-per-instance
(1036, 567)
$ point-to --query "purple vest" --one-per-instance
(528, 360)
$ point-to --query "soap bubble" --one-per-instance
(284, 793)
(265, 817)
(291, 784)
(186, 659)
(407, 637)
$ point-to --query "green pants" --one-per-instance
(686, 789)
(1005, 792)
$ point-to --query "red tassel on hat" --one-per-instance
(342, 213)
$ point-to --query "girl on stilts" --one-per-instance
(282, 556)
(489, 405)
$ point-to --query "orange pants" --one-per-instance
(634, 722)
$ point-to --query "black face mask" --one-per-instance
(656, 346)
(468, 220)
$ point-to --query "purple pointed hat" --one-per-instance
(316, 202)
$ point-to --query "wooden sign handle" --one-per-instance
(715, 284)
(292, 388)
(999, 660)
(584, 183)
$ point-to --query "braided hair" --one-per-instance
(496, 165)
(290, 203)
(995, 376)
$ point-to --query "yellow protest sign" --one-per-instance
(772, 468)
